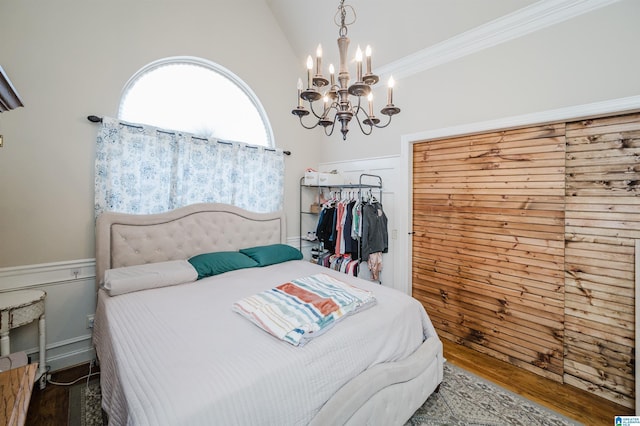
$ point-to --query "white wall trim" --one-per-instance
(592, 110)
(67, 355)
(365, 159)
(614, 106)
(29, 276)
(529, 19)
(293, 241)
(61, 344)
(77, 339)
(70, 358)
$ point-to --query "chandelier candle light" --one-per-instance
(336, 103)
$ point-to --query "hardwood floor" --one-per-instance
(50, 407)
(567, 400)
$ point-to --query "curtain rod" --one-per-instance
(96, 119)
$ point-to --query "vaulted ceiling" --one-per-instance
(394, 29)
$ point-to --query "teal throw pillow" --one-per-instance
(209, 264)
(272, 254)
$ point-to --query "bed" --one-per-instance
(178, 354)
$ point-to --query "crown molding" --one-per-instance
(535, 17)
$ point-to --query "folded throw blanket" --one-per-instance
(304, 308)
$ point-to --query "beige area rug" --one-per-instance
(85, 406)
(463, 400)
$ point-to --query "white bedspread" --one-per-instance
(180, 356)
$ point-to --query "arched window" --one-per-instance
(196, 96)
(218, 147)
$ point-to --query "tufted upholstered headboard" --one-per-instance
(128, 239)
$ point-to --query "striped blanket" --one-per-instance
(303, 308)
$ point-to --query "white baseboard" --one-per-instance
(66, 353)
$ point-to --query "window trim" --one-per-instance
(205, 63)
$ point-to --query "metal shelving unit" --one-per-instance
(365, 182)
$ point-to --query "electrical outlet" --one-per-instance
(89, 321)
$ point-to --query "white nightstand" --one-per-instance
(18, 308)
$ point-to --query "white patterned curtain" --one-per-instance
(142, 169)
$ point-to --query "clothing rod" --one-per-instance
(96, 119)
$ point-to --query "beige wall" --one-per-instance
(590, 58)
(69, 59)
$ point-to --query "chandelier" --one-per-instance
(342, 102)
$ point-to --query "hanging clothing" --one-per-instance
(339, 240)
(374, 230)
(351, 245)
(356, 228)
(326, 228)
(351, 231)
(375, 265)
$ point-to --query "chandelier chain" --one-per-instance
(342, 13)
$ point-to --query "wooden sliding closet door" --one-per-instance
(602, 226)
(524, 247)
(488, 244)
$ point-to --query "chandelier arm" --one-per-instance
(307, 127)
(314, 112)
(356, 114)
(362, 129)
(386, 124)
(358, 109)
(329, 133)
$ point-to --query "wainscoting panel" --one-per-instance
(71, 297)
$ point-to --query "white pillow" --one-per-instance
(151, 275)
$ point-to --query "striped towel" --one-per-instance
(304, 308)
